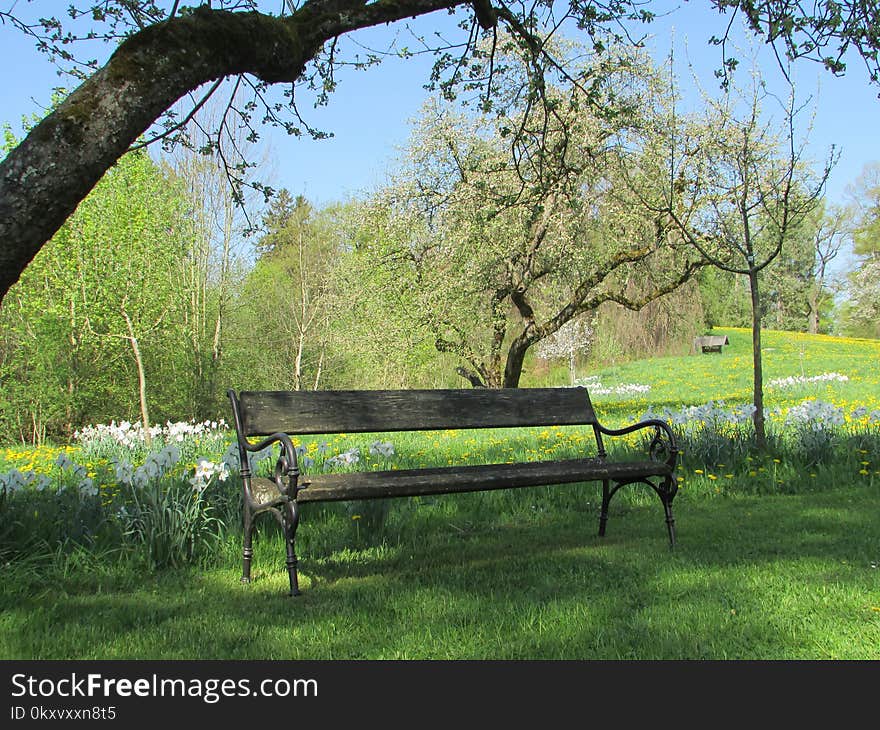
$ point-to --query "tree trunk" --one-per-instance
(224, 295)
(320, 369)
(516, 356)
(46, 176)
(297, 361)
(72, 341)
(758, 379)
(813, 322)
(142, 378)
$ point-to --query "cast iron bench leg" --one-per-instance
(291, 521)
(603, 514)
(248, 552)
(667, 508)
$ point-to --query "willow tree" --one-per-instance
(167, 51)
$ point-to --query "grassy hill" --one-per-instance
(698, 378)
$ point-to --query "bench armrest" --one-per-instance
(287, 464)
(662, 446)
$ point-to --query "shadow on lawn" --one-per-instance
(552, 590)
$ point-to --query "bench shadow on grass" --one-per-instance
(516, 591)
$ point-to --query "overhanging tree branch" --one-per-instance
(59, 162)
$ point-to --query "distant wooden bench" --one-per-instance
(277, 415)
(710, 343)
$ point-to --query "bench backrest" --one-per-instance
(364, 411)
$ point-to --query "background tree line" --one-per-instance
(150, 302)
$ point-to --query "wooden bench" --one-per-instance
(274, 416)
(710, 343)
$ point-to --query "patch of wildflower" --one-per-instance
(812, 427)
(344, 459)
(205, 471)
(156, 466)
(14, 481)
(133, 434)
(166, 515)
(861, 413)
(384, 449)
(77, 474)
(816, 415)
(711, 434)
(715, 414)
(796, 380)
(595, 387)
(303, 459)
(50, 507)
(192, 438)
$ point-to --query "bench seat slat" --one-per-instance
(444, 480)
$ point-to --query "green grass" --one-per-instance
(696, 379)
(771, 577)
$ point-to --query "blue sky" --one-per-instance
(369, 112)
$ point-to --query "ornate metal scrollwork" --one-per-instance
(284, 468)
(661, 447)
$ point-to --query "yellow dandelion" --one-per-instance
(698, 471)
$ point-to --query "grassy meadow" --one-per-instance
(777, 554)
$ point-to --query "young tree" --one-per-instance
(752, 194)
(213, 265)
(862, 310)
(575, 336)
(828, 236)
(166, 51)
(288, 291)
(865, 211)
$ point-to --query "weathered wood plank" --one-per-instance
(445, 480)
(347, 411)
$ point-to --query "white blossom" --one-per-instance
(796, 380)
